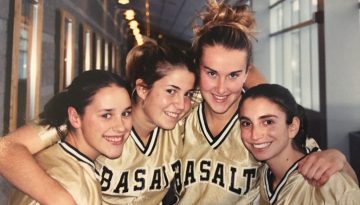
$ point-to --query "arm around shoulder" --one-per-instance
(19, 167)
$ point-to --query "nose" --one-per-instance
(119, 125)
(180, 102)
(256, 133)
(221, 87)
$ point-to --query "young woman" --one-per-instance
(96, 109)
(273, 129)
(162, 79)
(217, 168)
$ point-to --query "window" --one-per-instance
(98, 53)
(86, 48)
(26, 62)
(106, 55)
(67, 44)
(295, 49)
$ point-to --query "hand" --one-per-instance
(318, 167)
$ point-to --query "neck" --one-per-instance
(286, 158)
(141, 123)
(217, 121)
(76, 139)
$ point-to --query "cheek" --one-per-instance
(245, 134)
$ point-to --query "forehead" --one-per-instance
(218, 57)
(260, 106)
(111, 97)
(178, 76)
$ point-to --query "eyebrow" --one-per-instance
(261, 117)
(176, 87)
(236, 71)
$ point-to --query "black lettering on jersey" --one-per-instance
(189, 173)
(156, 181)
(232, 187)
(219, 175)
(106, 177)
(249, 174)
(123, 183)
(165, 177)
(139, 179)
(205, 170)
(176, 167)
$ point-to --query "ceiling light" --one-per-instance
(129, 14)
(123, 1)
(133, 24)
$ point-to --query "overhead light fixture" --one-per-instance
(123, 1)
(136, 31)
(129, 14)
(133, 24)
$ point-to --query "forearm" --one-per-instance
(28, 174)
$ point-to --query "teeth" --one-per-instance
(114, 139)
(172, 114)
(217, 97)
(262, 145)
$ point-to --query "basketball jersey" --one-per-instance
(216, 169)
(294, 189)
(72, 169)
(143, 173)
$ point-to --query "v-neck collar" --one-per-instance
(149, 148)
(271, 193)
(215, 141)
(79, 156)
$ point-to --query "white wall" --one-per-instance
(342, 40)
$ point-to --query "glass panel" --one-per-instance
(106, 56)
(22, 75)
(87, 60)
(68, 60)
(98, 54)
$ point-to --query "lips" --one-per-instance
(261, 145)
(220, 98)
(115, 140)
(174, 115)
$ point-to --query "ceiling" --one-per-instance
(170, 18)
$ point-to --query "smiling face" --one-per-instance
(169, 98)
(264, 130)
(106, 122)
(222, 75)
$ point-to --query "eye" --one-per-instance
(211, 73)
(234, 75)
(268, 122)
(245, 123)
(171, 91)
(126, 113)
(189, 94)
(106, 115)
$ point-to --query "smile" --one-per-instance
(220, 98)
(172, 114)
(262, 145)
(114, 139)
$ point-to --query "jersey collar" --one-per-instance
(149, 148)
(215, 141)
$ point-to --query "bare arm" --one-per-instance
(254, 78)
(318, 167)
(19, 167)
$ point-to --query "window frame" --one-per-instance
(33, 67)
(65, 78)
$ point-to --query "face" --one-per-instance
(264, 130)
(107, 122)
(166, 102)
(222, 75)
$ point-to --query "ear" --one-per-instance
(141, 88)
(74, 117)
(294, 127)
